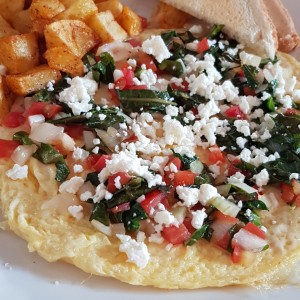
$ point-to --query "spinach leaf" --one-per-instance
(202, 178)
(103, 69)
(186, 160)
(133, 217)
(186, 100)
(135, 188)
(93, 178)
(256, 205)
(172, 67)
(100, 213)
(134, 100)
(22, 136)
(197, 235)
(168, 37)
(217, 28)
(250, 74)
(48, 155)
(68, 120)
(265, 61)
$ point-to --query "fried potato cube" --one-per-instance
(5, 100)
(130, 21)
(19, 53)
(8, 8)
(6, 29)
(32, 80)
(114, 6)
(107, 28)
(75, 35)
(67, 3)
(22, 21)
(79, 10)
(62, 59)
(42, 11)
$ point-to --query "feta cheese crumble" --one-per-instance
(17, 172)
(156, 46)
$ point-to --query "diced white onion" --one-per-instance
(88, 137)
(22, 153)
(118, 50)
(249, 241)
(109, 138)
(36, 119)
(225, 206)
(67, 142)
(102, 228)
(220, 229)
(46, 133)
(60, 203)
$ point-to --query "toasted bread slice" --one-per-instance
(288, 38)
(241, 19)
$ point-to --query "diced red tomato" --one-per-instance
(132, 138)
(91, 160)
(49, 110)
(203, 45)
(134, 42)
(248, 91)
(120, 84)
(178, 164)
(176, 235)
(147, 60)
(224, 241)
(215, 155)
(291, 111)
(237, 254)
(129, 75)
(137, 87)
(101, 163)
(114, 97)
(184, 178)
(188, 224)
(124, 179)
(144, 22)
(287, 192)
(235, 112)
(121, 207)
(184, 87)
(152, 199)
(255, 230)
(75, 131)
(7, 148)
(232, 169)
(13, 120)
(217, 215)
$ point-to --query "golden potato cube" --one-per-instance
(79, 10)
(130, 21)
(114, 6)
(8, 8)
(6, 29)
(107, 28)
(62, 59)
(33, 80)
(5, 100)
(42, 11)
(67, 3)
(75, 35)
(19, 53)
(22, 21)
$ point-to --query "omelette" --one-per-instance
(173, 162)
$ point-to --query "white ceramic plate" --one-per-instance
(25, 275)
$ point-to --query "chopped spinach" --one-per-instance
(133, 217)
(250, 74)
(217, 29)
(168, 37)
(173, 67)
(23, 137)
(186, 160)
(100, 213)
(197, 235)
(48, 155)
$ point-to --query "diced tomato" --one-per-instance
(13, 120)
(132, 138)
(121, 207)
(217, 215)
(137, 87)
(235, 112)
(144, 22)
(255, 230)
(124, 179)
(147, 60)
(7, 148)
(134, 42)
(215, 155)
(49, 110)
(232, 169)
(128, 75)
(287, 192)
(188, 224)
(152, 199)
(101, 163)
(291, 111)
(114, 97)
(91, 160)
(166, 203)
(176, 235)
(184, 178)
(75, 131)
(237, 254)
(248, 91)
(203, 45)
(297, 201)
(178, 164)
(184, 87)
(224, 241)
(120, 84)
